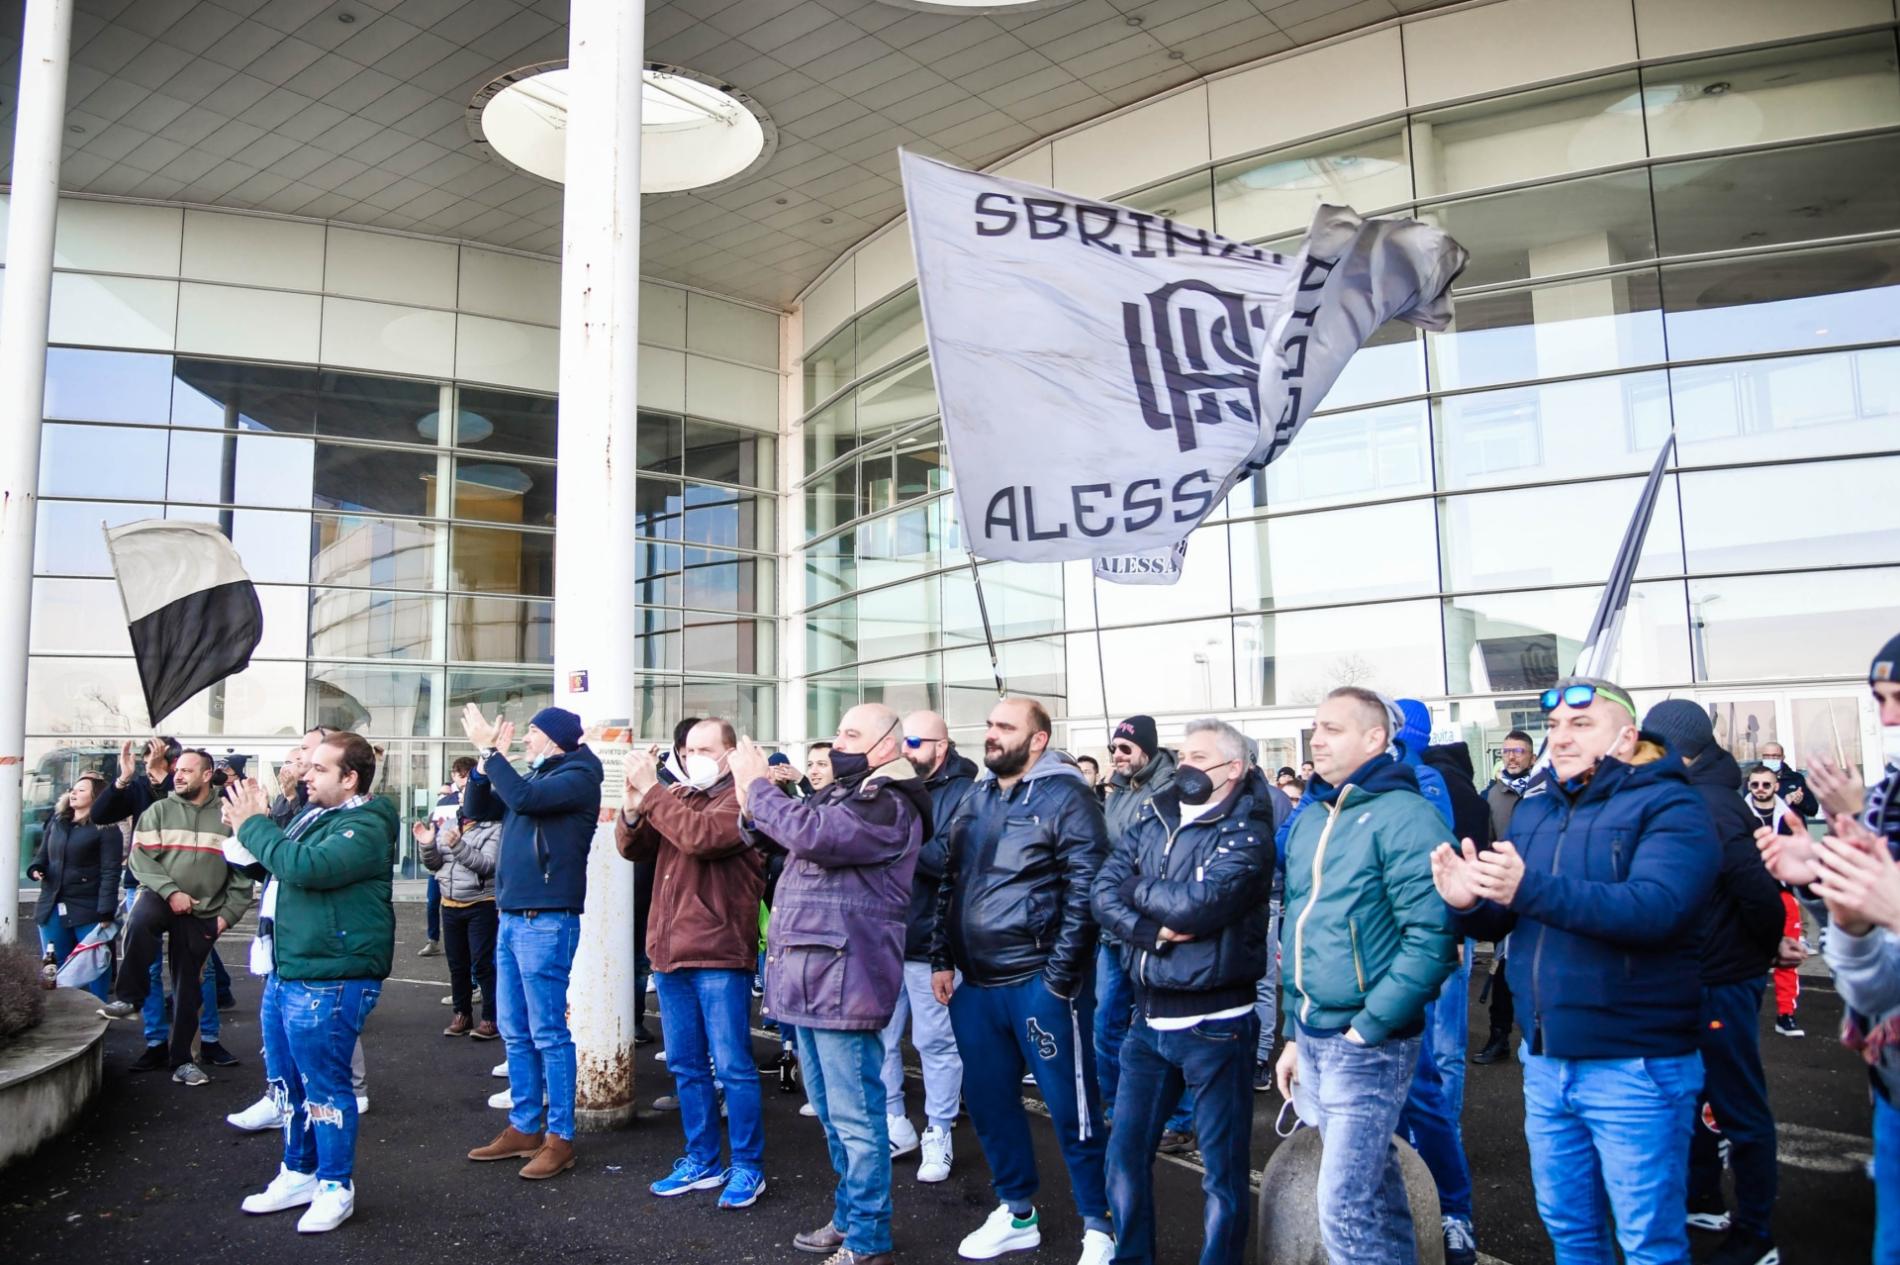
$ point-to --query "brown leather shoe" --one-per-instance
(484, 1031)
(555, 1157)
(510, 1144)
(820, 1242)
(460, 1026)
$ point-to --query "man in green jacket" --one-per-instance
(333, 934)
(1365, 943)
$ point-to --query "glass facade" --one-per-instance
(1708, 247)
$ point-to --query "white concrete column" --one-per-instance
(594, 555)
(46, 41)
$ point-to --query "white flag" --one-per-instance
(1107, 375)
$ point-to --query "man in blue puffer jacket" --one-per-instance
(1602, 891)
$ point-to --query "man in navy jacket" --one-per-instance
(1602, 890)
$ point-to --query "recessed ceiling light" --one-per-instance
(346, 18)
(1717, 89)
(974, 8)
(1175, 54)
(826, 220)
(1133, 19)
(75, 129)
(694, 131)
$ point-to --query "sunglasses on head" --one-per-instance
(1582, 694)
(914, 743)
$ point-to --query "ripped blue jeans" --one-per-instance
(310, 1028)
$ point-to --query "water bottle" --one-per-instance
(787, 1071)
(49, 970)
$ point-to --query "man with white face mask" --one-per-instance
(702, 938)
(1602, 888)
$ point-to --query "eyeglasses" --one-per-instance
(1582, 694)
(1761, 786)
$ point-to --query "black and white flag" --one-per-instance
(1107, 375)
(191, 609)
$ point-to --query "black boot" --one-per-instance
(1496, 1050)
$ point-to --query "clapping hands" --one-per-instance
(1464, 876)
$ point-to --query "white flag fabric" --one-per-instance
(1106, 375)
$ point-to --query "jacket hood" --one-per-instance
(1450, 755)
(1716, 767)
(1376, 776)
(954, 766)
(901, 776)
(582, 756)
(1160, 765)
(379, 807)
(1648, 765)
(1053, 763)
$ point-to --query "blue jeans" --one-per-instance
(1353, 1095)
(1886, 1183)
(1114, 1011)
(1736, 1091)
(153, 1012)
(1430, 1122)
(533, 955)
(62, 940)
(1018, 1025)
(310, 1028)
(1610, 1137)
(1448, 1034)
(1215, 1058)
(434, 911)
(707, 1017)
(844, 1078)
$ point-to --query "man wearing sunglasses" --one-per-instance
(1602, 889)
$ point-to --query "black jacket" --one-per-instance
(128, 803)
(1789, 779)
(1741, 925)
(78, 866)
(1470, 813)
(947, 786)
(1014, 900)
(1208, 879)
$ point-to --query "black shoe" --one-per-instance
(1262, 1077)
(1786, 1026)
(155, 1059)
(1496, 1050)
(641, 1036)
(1708, 1213)
(1177, 1142)
(216, 1055)
(1745, 1248)
(226, 1001)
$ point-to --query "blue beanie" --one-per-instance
(778, 757)
(1416, 733)
(563, 726)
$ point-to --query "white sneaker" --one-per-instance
(331, 1208)
(286, 1190)
(259, 1116)
(660, 1057)
(1003, 1233)
(808, 1111)
(937, 1155)
(1097, 1248)
(362, 1107)
(500, 1070)
(903, 1135)
(502, 1099)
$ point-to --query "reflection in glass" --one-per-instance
(1390, 365)
(1779, 197)
(657, 639)
(727, 454)
(1186, 667)
(504, 492)
(831, 636)
(1203, 589)
(489, 560)
(1296, 559)
(373, 552)
(399, 702)
(716, 580)
(503, 421)
(68, 541)
(659, 574)
(374, 480)
(900, 620)
(1557, 430)
(750, 708)
(831, 499)
(224, 394)
(729, 645)
(102, 461)
(657, 708)
(274, 544)
(896, 400)
(499, 630)
(890, 331)
(1550, 331)
(1359, 456)
(1538, 536)
(830, 365)
(1821, 623)
(657, 505)
(78, 617)
(107, 386)
(1814, 89)
(830, 567)
(84, 696)
(1572, 226)
(1500, 642)
(1036, 667)
(364, 624)
(1751, 519)
(903, 685)
(721, 516)
(1791, 406)
(227, 468)
(1808, 300)
(1294, 658)
(1528, 135)
(358, 406)
(831, 433)
(1278, 192)
(1189, 200)
(660, 442)
(828, 698)
(518, 695)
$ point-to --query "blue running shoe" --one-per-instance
(688, 1175)
(743, 1188)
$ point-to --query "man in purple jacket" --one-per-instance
(835, 951)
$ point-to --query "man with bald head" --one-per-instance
(948, 777)
(1601, 889)
(835, 951)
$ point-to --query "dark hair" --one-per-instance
(813, 747)
(1286, 770)
(354, 755)
(464, 764)
(682, 729)
(90, 775)
(211, 761)
(1089, 760)
(1753, 769)
(173, 748)
(1298, 784)
(322, 731)
(1522, 737)
(727, 734)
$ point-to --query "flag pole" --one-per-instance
(1101, 655)
(983, 609)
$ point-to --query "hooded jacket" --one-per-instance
(834, 949)
(1128, 794)
(707, 880)
(1208, 879)
(547, 818)
(465, 870)
(1605, 957)
(947, 786)
(1470, 814)
(1742, 919)
(334, 919)
(78, 865)
(1014, 900)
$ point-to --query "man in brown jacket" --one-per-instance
(703, 941)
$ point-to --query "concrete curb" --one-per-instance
(50, 1075)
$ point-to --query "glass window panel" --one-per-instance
(286, 621)
(659, 571)
(1186, 667)
(1391, 364)
(657, 506)
(358, 406)
(660, 441)
(1502, 642)
(830, 365)
(717, 580)
(68, 541)
(1809, 300)
(1189, 200)
(657, 639)
(217, 393)
(831, 433)
(877, 482)
(374, 480)
(101, 461)
(1791, 406)
(1528, 135)
(1572, 226)
(504, 492)
(1293, 659)
(373, 553)
(903, 685)
(517, 695)
(499, 630)
(890, 331)
(1025, 599)
(78, 617)
(1828, 86)
(1556, 431)
(896, 400)
(721, 516)
(1779, 197)
(107, 386)
(831, 567)
(827, 699)
(393, 702)
(896, 546)
(1203, 588)
(752, 709)
(1725, 527)
(504, 421)
(729, 645)
(84, 696)
(228, 468)
(1748, 628)
(727, 454)
(1037, 668)
(903, 619)
(1366, 455)
(1278, 192)
(489, 560)
(1827, 724)
(1295, 560)
(364, 624)
(275, 545)
(1511, 540)
(831, 499)
(657, 708)
(259, 700)
(1550, 331)
(831, 635)
(920, 466)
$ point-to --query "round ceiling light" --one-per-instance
(975, 8)
(694, 130)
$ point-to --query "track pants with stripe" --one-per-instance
(1001, 1029)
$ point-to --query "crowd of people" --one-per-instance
(1151, 948)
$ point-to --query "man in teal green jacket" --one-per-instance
(333, 933)
(1365, 943)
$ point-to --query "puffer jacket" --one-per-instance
(334, 920)
(77, 865)
(465, 870)
(1014, 901)
(547, 818)
(1742, 919)
(1365, 940)
(1606, 924)
(947, 786)
(1208, 879)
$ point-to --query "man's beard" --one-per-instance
(1005, 761)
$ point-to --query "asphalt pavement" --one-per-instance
(152, 1174)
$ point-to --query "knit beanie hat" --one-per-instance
(1140, 730)
(559, 724)
(1683, 724)
(1416, 732)
(1886, 665)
